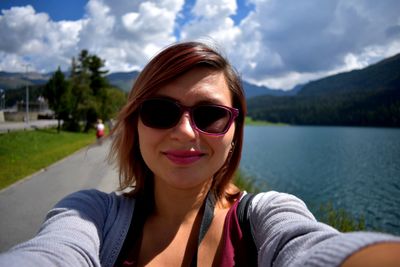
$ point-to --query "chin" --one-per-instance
(185, 183)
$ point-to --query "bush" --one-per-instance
(71, 126)
(340, 219)
(245, 182)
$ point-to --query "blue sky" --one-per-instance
(70, 10)
(75, 9)
(276, 43)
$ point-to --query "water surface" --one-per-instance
(357, 169)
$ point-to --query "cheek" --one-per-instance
(147, 141)
(147, 135)
(225, 145)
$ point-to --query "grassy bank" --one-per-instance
(26, 152)
(246, 182)
(250, 121)
(340, 218)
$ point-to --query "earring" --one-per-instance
(232, 147)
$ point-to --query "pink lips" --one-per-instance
(183, 157)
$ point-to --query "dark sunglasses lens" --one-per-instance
(211, 119)
(158, 113)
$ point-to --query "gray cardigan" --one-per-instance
(88, 228)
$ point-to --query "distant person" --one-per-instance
(99, 130)
(178, 142)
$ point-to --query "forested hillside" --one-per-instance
(367, 97)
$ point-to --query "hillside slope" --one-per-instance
(367, 97)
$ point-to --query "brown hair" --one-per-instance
(166, 66)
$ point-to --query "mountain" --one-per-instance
(252, 90)
(380, 76)
(14, 80)
(365, 97)
(11, 80)
(123, 80)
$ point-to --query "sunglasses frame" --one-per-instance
(233, 112)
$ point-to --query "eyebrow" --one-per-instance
(206, 100)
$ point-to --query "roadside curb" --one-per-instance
(26, 178)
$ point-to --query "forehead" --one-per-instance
(199, 84)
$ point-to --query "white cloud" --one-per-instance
(129, 20)
(98, 27)
(20, 27)
(124, 33)
(131, 32)
(12, 62)
(278, 44)
(212, 9)
(301, 40)
(212, 21)
(150, 19)
(27, 37)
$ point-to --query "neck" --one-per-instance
(177, 206)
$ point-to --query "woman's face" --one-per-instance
(181, 157)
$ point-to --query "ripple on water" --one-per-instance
(357, 169)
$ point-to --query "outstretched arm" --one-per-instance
(70, 235)
(287, 234)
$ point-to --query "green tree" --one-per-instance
(97, 79)
(91, 96)
(57, 93)
(112, 100)
(80, 91)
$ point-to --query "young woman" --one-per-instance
(99, 130)
(177, 143)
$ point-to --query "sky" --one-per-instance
(274, 43)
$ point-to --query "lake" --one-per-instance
(355, 168)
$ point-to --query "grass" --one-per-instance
(245, 182)
(340, 219)
(23, 153)
(251, 121)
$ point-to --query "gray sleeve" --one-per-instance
(70, 235)
(287, 234)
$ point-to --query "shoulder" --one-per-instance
(284, 227)
(91, 200)
(89, 197)
(283, 215)
(104, 217)
(278, 204)
(100, 208)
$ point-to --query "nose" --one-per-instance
(184, 130)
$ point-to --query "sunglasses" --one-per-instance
(211, 119)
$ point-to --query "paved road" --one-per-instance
(24, 204)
